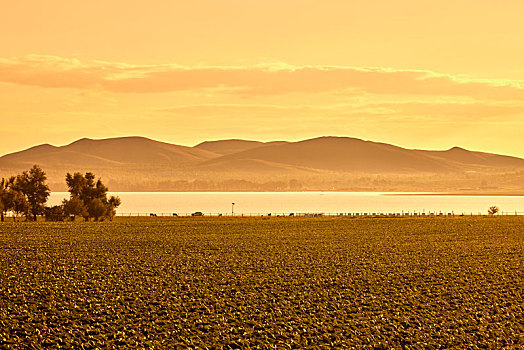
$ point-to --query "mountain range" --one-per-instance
(342, 154)
(313, 157)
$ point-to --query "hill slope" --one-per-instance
(141, 164)
(121, 151)
(345, 154)
(476, 159)
(224, 147)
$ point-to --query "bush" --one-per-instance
(55, 213)
(493, 210)
(96, 209)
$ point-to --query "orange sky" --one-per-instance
(421, 73)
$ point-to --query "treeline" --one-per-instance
(134, 182)
(204, 185)
(26, 194)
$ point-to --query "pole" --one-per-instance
(232, 209)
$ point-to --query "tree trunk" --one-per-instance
(34, 217)
(2, 215)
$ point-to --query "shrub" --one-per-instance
(54, 213)
(493, 210)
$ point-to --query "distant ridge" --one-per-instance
(341, 154)
(346, 154)
(224, 147)
(120, 151)
(465, 157)
(243, 164)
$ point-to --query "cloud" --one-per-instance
(403, 110)
(258, 80)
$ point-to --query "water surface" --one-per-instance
(304, 202)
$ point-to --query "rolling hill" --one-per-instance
(475, 159)
(224, 147)
(340, 154)
(344, 154)
(123, 151)
(138, 163)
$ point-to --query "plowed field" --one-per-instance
(425, 283)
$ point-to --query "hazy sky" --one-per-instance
(416, 73)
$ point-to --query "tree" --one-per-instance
(33, 185)
(20, 204)
(97, 209)
(493, 210)
(85, 187)
(11, 199)
(113, 203)
(5, 203)
(74, 206)
(92, 195)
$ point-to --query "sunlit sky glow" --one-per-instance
(427, 74)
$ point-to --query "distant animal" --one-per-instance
(175, 214)
(152, 214)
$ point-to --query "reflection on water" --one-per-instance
(304, 202)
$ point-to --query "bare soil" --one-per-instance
(413, 283)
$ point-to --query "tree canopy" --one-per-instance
(27, 193)
(88, 197)
(33, 185)
(9, 198)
